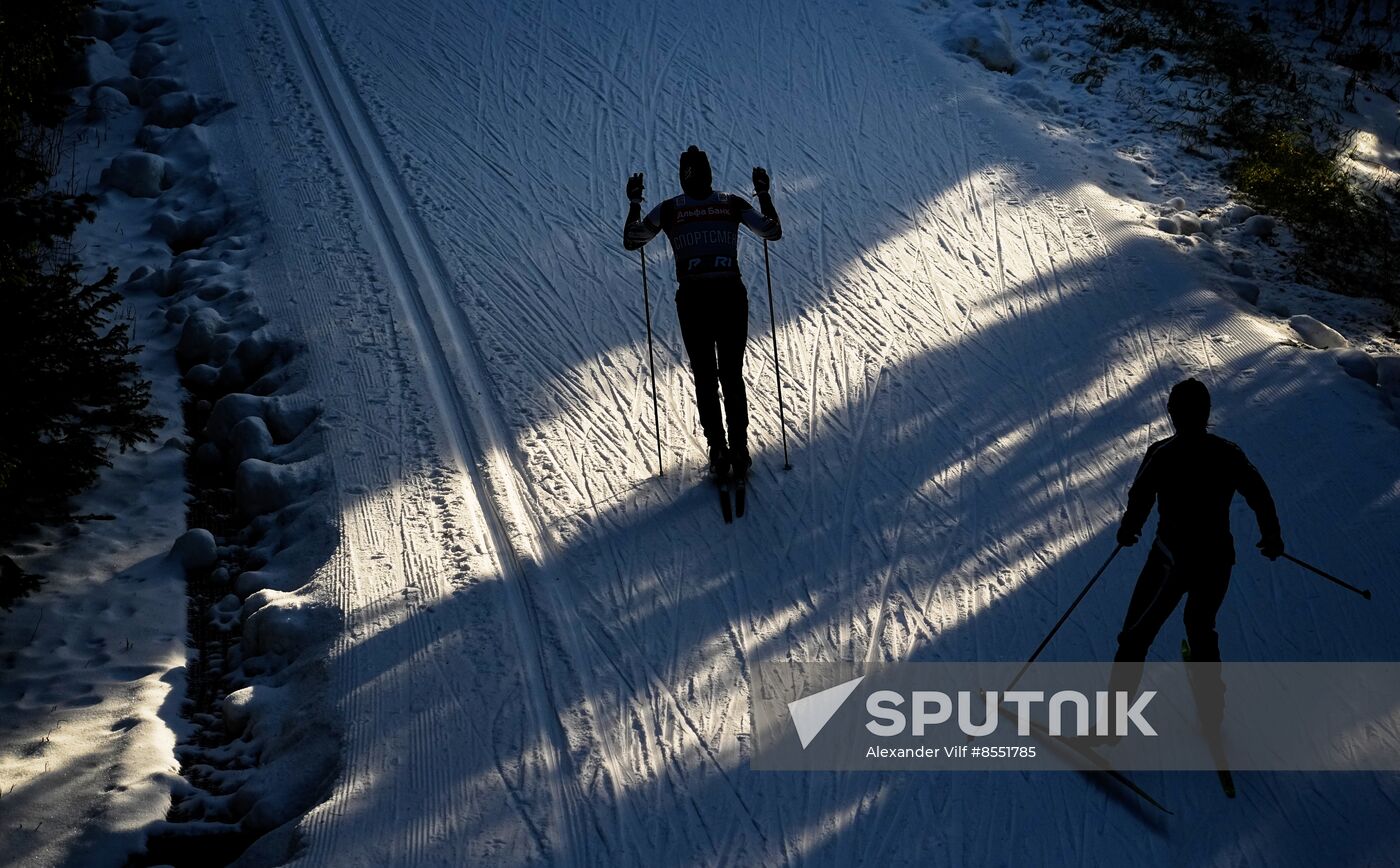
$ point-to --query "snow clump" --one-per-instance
(137, 174)
(195, 551)
(1357, 363)
(1316, 334)
(1259, 226)
(982, 34)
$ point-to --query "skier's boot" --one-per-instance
(719, 461)
(740, 462)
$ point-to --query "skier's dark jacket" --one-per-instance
(1193, 476)
(704, 233)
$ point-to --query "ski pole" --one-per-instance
(1328, 576)
(1060, 623)
(777, 369)
(651, 355)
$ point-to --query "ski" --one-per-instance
(1227, 781)
(741, 495)
(726, 506)
(1094, 757)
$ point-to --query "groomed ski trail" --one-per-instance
(976, 341)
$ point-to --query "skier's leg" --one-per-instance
(732, 315)
(1158, 590)
(1208, 588)
(694, 311)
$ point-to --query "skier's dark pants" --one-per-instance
(714, 319)
(1160, 587)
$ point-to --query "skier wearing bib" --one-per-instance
(712, 303)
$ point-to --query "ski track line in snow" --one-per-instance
(390, 598)
(419, 282)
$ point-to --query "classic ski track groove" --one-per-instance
(418, 278)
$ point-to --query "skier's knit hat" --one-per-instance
(695, 173)
(1189, 405)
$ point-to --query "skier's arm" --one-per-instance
(636, 231)
(765, 225)
(1256, 493)
(639, 231)
(1141, 496)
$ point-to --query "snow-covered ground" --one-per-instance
(92, 663)
(545, 648)
(102, 738)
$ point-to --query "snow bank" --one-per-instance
(1236, 214)
(152, 89)
(284, 624)
(104, 25)
(100, 63)
(1175, 219)
(146, 57)
(138, 174)
(173, 110)
(1247, 290)
(195, 551)
(983, 35)
(187, 233)
(1388, 379)
(263, 486)
(284, 416)
(1315, 333)
(1034, 96)
(276, 747)
(270, 759)
(267, 749)
(1357, 363)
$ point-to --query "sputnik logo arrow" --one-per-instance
(811, 713)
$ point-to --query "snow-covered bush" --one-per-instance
(982, 34)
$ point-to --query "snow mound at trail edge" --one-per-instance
(983, 35)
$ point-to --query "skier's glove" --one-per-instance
(760, 181)
(1271, 548)
(1127, 538)
(634, 189)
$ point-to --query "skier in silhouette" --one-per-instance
(712, 303)
(1192, 476)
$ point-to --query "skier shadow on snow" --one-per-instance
(666, 601)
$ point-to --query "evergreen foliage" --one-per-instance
(72, 388)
